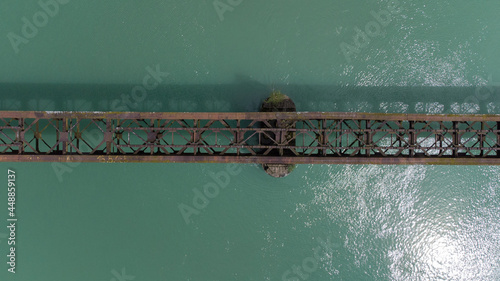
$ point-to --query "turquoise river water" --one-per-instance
(122, 222)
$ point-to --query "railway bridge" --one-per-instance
(250, 137)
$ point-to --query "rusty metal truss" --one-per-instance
(250, 137)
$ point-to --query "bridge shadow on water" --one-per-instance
(247, 95)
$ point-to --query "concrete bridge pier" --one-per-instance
(278, 102)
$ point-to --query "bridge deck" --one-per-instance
(250, 137)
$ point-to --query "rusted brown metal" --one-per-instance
(250, 137)
(249, 115)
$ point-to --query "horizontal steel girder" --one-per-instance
(250, 137)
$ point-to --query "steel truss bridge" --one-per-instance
(250, 137)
